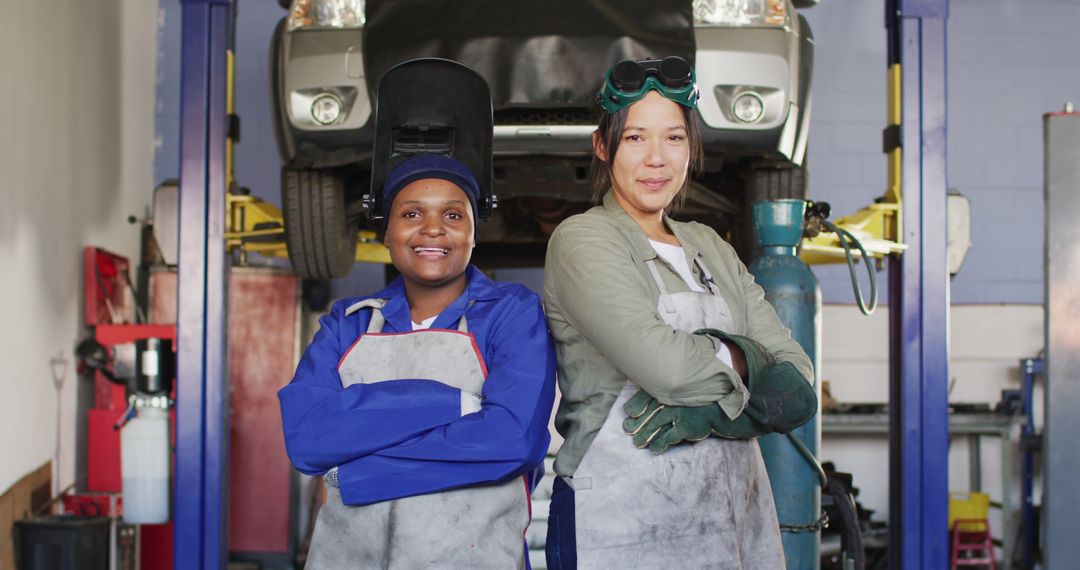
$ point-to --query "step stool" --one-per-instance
(971, 544)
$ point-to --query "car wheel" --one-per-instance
(320, 239)
(766, 183)
(777, 183)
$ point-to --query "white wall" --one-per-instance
(1008, 63)
(76, 151)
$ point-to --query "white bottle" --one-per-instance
(144, 463)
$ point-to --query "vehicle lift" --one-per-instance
(907, 227)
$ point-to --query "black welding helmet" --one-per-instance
(432, 106)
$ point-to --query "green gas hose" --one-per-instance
(846, 240)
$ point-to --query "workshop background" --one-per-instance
(90, 117)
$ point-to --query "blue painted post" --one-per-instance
(791, 288)
(919, 296)
(1030, 367)
(202, 390)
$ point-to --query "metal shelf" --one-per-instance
(971, 425)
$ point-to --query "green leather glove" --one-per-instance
(758, 358)
(641, 406)
(640, 409)
(781, 399)
(667, 426)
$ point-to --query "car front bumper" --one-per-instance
(773, 63)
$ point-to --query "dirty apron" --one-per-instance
(698, 505)
(473, 527)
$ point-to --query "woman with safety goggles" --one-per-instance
(669, 357)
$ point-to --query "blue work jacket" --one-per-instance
(407, 437)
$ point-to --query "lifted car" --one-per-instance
(544, 61)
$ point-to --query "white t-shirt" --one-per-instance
(424, 324)
(674, 255)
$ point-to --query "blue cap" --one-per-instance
(425, 166)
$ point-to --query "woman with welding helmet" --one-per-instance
(425, 406)
(671, 362)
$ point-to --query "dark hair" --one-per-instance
(610, 130)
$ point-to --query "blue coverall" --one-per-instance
(401, 438)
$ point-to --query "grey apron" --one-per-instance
(699, 505)
(473, 527)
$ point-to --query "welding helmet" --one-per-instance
(431, 106)
(629, 80)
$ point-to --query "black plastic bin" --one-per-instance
(65, 542)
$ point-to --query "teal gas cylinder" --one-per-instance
(793, 291)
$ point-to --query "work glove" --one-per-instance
(659, 427)
(781, 399)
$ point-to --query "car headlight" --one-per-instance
(765, 13)
(748, 107)
(326, 14)
(326, 109)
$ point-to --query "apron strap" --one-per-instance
(378, 321)
(376, 305)
(665, 299)
(463, 325)
(708, 278)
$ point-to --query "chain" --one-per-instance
(811, 527)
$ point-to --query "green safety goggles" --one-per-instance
(629, 80)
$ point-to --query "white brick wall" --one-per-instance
(1008, 63)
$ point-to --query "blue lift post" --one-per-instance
(202, 373)
(919, 296)
(1030, 368)
(918, 292)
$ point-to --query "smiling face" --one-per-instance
(652, 159)
(430, 235)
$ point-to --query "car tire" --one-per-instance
(766, 183)
(320, 239)
(778, 183)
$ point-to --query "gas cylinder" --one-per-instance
(791, 288)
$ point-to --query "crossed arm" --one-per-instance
(414, 428)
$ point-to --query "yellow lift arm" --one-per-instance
(257, 226)
(877, 226)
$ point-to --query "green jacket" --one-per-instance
(601, 305)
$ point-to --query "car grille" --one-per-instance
(545, 117)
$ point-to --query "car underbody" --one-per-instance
(543, 62)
